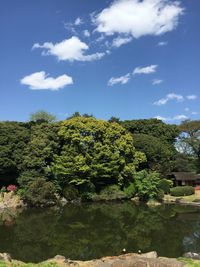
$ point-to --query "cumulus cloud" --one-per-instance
(41, 81)
(121, 80)
(78, 21)
(72, 49)
(172, 96)
(119, 41)
(86, 33)
(145, 70)
(162, 43)
(175, 118)
(157, 81)
(139, 17)
(191, 97)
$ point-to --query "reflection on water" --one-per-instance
(89, 231)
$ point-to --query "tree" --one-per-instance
(147, 185)
(14, 137)
(42, 116)
(153, 127)
(39, 151)
(114, 119)
(189, 140)
(160, 154)
(95, 152)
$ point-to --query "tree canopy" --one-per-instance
(95, 152)
(42, 116)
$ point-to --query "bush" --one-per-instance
(70, 192)
(147, 185)
(130, 190)
(165, 185)
(110, 192)
(179, 191)
(27, 177)
(39, 193)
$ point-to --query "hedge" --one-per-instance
(182, 191)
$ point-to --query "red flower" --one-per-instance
(11, 188)
(197, 187)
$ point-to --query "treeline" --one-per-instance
(84, 156)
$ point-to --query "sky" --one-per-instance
(132, 59)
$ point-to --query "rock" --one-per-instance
(10, 200)
(135, 200)
(150, 255)
(153, 203)
(127, 260)
(60, 259)
(5, 257)
(63, 201)
(192, 255)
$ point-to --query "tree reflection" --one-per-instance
(94, 230)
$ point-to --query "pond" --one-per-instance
(88, 231)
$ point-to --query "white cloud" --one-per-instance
(139, 17)
(157, 81)
(145, 70)
(119, 41)
(70, 49)
(86, 33)
(191, 97)
(122, 80)
(162, 43)
(78, 21)
(41, 81)
(175, 118)
(172, 96)
(187, 109)
(194, 113)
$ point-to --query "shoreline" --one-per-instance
(150, 259)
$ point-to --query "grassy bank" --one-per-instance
(192, 199)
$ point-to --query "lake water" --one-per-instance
(90, 231)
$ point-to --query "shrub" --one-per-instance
(147, 185)
(165, 185)
(70, 192)
(3, 189)
(27, 177)
(182, 191)
(130, 190)
(39, 193)
(11, 188)
(110, 192)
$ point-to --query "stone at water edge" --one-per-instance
(5, 257)
(192, 255)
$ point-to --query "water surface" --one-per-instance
(90, 231)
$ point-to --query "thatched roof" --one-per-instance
(186, 176)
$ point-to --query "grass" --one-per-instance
(19, 264)
(190, 262)
(186, 199)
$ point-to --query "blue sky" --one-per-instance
(126, 58)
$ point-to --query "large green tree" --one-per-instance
(14, 138)
(153, 127)
(39, 151)
(95, 152)
(160, 154)
(189, 140)
(42, 116)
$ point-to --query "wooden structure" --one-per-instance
(185, 178)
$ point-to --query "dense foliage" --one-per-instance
(85, 157)
(182, 191)
(95, 153)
